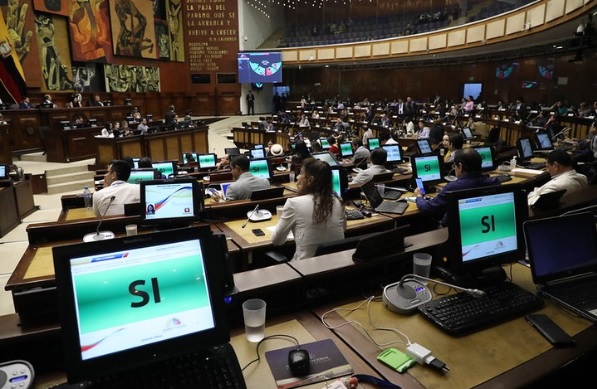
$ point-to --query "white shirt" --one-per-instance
(570, 180)
(123, 192)
(297, 217)
(366, 175)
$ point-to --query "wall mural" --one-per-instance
(124, 78)
(89, 22)
(133, 30)
(20, 36)
(176, 34)
(54, 53)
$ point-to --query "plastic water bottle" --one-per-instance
(87, 197)
(513, 163)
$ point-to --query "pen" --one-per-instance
(249, 218)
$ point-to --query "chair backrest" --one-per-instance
(269, 193)
(382, 177)
(337, 245)
(219, 177)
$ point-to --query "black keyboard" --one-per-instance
(353, 214)
(391, 194)
(534, 165)
(400, 170)
(216, 368)
(462, 313)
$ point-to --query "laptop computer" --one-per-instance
(562, 252)
(378, 203)
(133, 307)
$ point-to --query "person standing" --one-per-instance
(315, 216)
(169, 117)
(250, 103)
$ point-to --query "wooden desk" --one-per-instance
(5, 154)
(8, 209)
(509, 355)
(69, 145)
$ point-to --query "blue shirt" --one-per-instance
(437, 206)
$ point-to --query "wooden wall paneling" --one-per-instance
(155, 148)
(200, 141)
(5, 154)
(173, 146)
(131, 147)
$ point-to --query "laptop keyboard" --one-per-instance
(392, 194)
(392, 207)
(217, 368)
(353, 214)
(463, 313)
(582, 295)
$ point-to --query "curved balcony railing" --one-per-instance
(518, 24)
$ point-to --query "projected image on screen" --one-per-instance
(260, 67)
(487, 225)
(259, 168)
(207, 161)
(427, 168)
(169, 200)
(130, 313)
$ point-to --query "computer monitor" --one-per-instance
(143, 174)
(324, 143)
(165, 168)
(136, 162)
(485, 232)
(424, 146)
(467, 133)
(92, 122)
(260, 167)
(428, 168)
(339, 180)
(171, 203)
(4, 171)
(258, 146)
(187, 158)
(207, 161)
(487, 157)
(327, 157)
(525, 148)
(257, 153)
(394, 154)
(373, 143)
(147, 311)
(346, 150)
(543, 141)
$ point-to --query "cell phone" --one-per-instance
(550, 330)
(258, 232)
(420, 185)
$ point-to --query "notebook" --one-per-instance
(378, 203)
(141, 304)
(563, 257)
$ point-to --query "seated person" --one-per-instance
(315, 216)
(142, 127)
(224, 163)
(333, 146)
(378, 158)
(244, 182)
(423, 131)
(361, 154)
(467, 168)
(455, 142)
(144, 162)
(563, 176)
(301, 152)
(115, 185)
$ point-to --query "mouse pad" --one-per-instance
(326, 362)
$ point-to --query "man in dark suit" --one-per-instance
(97, 102)
(250, 103)
(25, 103)
(169, 117)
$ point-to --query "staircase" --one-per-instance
(69, 179)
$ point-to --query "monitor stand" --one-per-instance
(477, 279)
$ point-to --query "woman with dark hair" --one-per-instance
(301, 152)
(314, 217)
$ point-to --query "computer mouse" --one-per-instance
(299, 362)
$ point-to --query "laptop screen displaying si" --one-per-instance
(561, 246)
(132, 301)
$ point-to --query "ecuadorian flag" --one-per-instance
(11, 72)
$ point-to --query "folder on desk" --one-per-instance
(563, 256)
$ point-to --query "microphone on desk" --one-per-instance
(255, 212)
(103, 235)
(407, 294)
